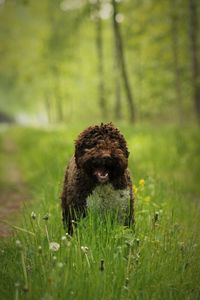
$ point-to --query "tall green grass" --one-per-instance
(158, 258)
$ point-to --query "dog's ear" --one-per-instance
(77, 151)
(126, 151)
(80, 144)
(123, 145)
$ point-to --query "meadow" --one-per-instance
(158, 258)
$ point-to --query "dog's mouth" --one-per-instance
(102, 175)
(104, 169)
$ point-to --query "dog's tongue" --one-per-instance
(102, 175)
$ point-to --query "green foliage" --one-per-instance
(158, 259)
(50, 63)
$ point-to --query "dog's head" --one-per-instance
(101, 151)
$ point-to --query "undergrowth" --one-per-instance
(158, 258)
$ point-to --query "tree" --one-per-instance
(121, 61)
(117, 83)
(194, 49)
(99, 45)
(175, 53)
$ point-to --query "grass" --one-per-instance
(158, 259)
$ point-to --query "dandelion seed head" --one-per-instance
(84, 249)
(53, 246)
(18, 244)
(60, 265)
(33, 215)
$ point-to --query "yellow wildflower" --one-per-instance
(135, 189)
(141, 182)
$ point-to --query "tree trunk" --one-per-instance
(118, 104)
(175, 53)
(195, 55)
(117, 81)
(59, 115)
(122, 63)
(48, 108)
(99, 43)
(58, 98)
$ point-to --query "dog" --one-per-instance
(98, 168)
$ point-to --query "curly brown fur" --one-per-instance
(101, 157)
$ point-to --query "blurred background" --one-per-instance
(99, 60)
(67, 64)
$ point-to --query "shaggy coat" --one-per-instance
(101, 157)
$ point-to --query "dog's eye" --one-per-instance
(88, 147)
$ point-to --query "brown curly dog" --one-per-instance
(98, 170)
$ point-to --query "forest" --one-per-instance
(129, 60)
(69, 64)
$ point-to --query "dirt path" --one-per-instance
(12, 188)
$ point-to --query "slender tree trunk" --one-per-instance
(99, 43)
(175, 53)
(117, 81)
(195, 55)
(118, 104)
(59, 115)
(48, 108)
(123, 68)
(58, 97)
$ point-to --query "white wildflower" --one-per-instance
(18, 244)
(54, 258)
(33, 215)
(60, 265)
(84, 249)
(53, 246)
